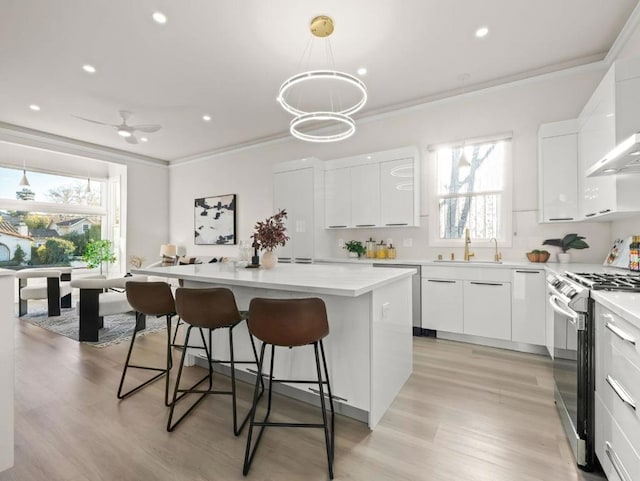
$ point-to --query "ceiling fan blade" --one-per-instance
(146, 128)
(93, 121)
(131, 139)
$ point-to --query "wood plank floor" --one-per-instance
(466, 413)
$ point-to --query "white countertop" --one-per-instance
(624, 304)
(575, 267)
(332, 279)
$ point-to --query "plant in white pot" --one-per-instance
(570, 241)
(269, 234)
(355, 248)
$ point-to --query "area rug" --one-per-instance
(117, 328)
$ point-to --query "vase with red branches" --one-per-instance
(269, 234)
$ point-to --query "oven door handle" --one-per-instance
(555, 304)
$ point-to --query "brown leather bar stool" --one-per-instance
(290, 323)
(149, 299)
(210, 309)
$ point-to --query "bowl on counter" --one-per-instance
(540, 256)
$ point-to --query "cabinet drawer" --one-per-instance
(464, 273)
(618, 385)
(617, 457)
(620, 333)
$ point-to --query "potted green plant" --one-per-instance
(355, 248)
(570, 241)
(97, 252)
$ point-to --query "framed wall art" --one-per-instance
(215, 220)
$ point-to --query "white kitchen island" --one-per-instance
(7, 347)
(369, 347)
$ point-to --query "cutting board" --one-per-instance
(618, 255)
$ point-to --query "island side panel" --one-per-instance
(7, 327)
(346, 347)
(391, 345)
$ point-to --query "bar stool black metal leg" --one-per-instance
(175, 332)
(333, 412)
(249, 453)
(324, 412)
(192, 390)
(169, 362)
(140, 320)
(237, 430)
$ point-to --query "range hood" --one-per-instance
(623, 159)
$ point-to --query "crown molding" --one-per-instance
(36, 139)
(232, 149)
(623, 37)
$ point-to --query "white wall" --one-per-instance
(147, 220)
(519, 108)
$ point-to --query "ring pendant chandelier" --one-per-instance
(335, 116)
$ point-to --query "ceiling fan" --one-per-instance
(125, 130)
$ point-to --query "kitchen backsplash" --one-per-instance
(528, 235)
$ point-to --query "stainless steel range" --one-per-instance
(608, 281)
(573, 352)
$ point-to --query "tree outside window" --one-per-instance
(470, 191)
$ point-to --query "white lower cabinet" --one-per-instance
(617, 386)
(442, 305)
(528, 309)
(501, 303)
(487, 309)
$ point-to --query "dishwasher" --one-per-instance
(416, 293)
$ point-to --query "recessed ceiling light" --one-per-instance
(362, 71)
(143, 139)
(637, 152)
(609, 171)
(206, 118)
(124, 133)
(34, 107)
(159, 17)
(482, 32)
(89, 68)
(368, 157)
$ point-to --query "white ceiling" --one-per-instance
(228, 59)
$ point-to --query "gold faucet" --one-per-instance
(496, 256)
(467, 240)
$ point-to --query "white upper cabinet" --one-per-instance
(379, 189)
(337, 198)
(298, 188)
(283, 195)
(365, 195)
(558, 172)
(396, 193)
(610, 116)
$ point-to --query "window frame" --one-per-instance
(506, 211)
